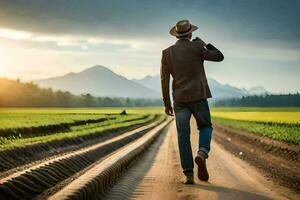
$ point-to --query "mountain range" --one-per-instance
(101, 81)
(218, 90)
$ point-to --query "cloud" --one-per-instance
(133, 22)
(84, 42)
(260, 51)
(14, 34)
(268, 19)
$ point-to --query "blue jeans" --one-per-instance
(183, 111)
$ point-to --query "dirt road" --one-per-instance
(157, 176)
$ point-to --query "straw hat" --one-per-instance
(182, 28)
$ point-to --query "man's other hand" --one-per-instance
(199, 40)
(169, 111)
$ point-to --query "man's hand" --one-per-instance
(169, 111)
(199, 40)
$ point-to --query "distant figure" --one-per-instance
(123, 112)
(184, 61)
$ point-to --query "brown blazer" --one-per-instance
(184, 61)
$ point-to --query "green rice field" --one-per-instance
(25, 126)
(282, 124)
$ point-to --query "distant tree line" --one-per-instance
(267, 100)
(14, 93)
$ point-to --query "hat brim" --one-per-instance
(176, 34)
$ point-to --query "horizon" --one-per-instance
(132, 79)
(44, 39)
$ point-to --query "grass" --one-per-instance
(282, 124)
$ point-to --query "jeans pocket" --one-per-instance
(178, 108)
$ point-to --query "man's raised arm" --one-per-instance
(210, 52)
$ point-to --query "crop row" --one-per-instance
(76, 131)
(33, 117)
(48, 129)
(22, 132)
(282, 117)
(28, 120)
(288, 132)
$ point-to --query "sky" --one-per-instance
(46, 38)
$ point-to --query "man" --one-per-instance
(184, 61)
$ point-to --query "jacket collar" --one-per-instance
(182, 40)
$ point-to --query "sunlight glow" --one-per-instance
(15, 34)
(2, 70)
(3, 59)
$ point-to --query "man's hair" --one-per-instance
(185, 36)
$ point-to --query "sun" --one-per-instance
(1, 65)
(2, 70)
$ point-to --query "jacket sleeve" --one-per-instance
(211, 53)
(165, 81)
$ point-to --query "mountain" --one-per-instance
(152, 82)
(257, 91)
(218, 90)
(99, 81)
